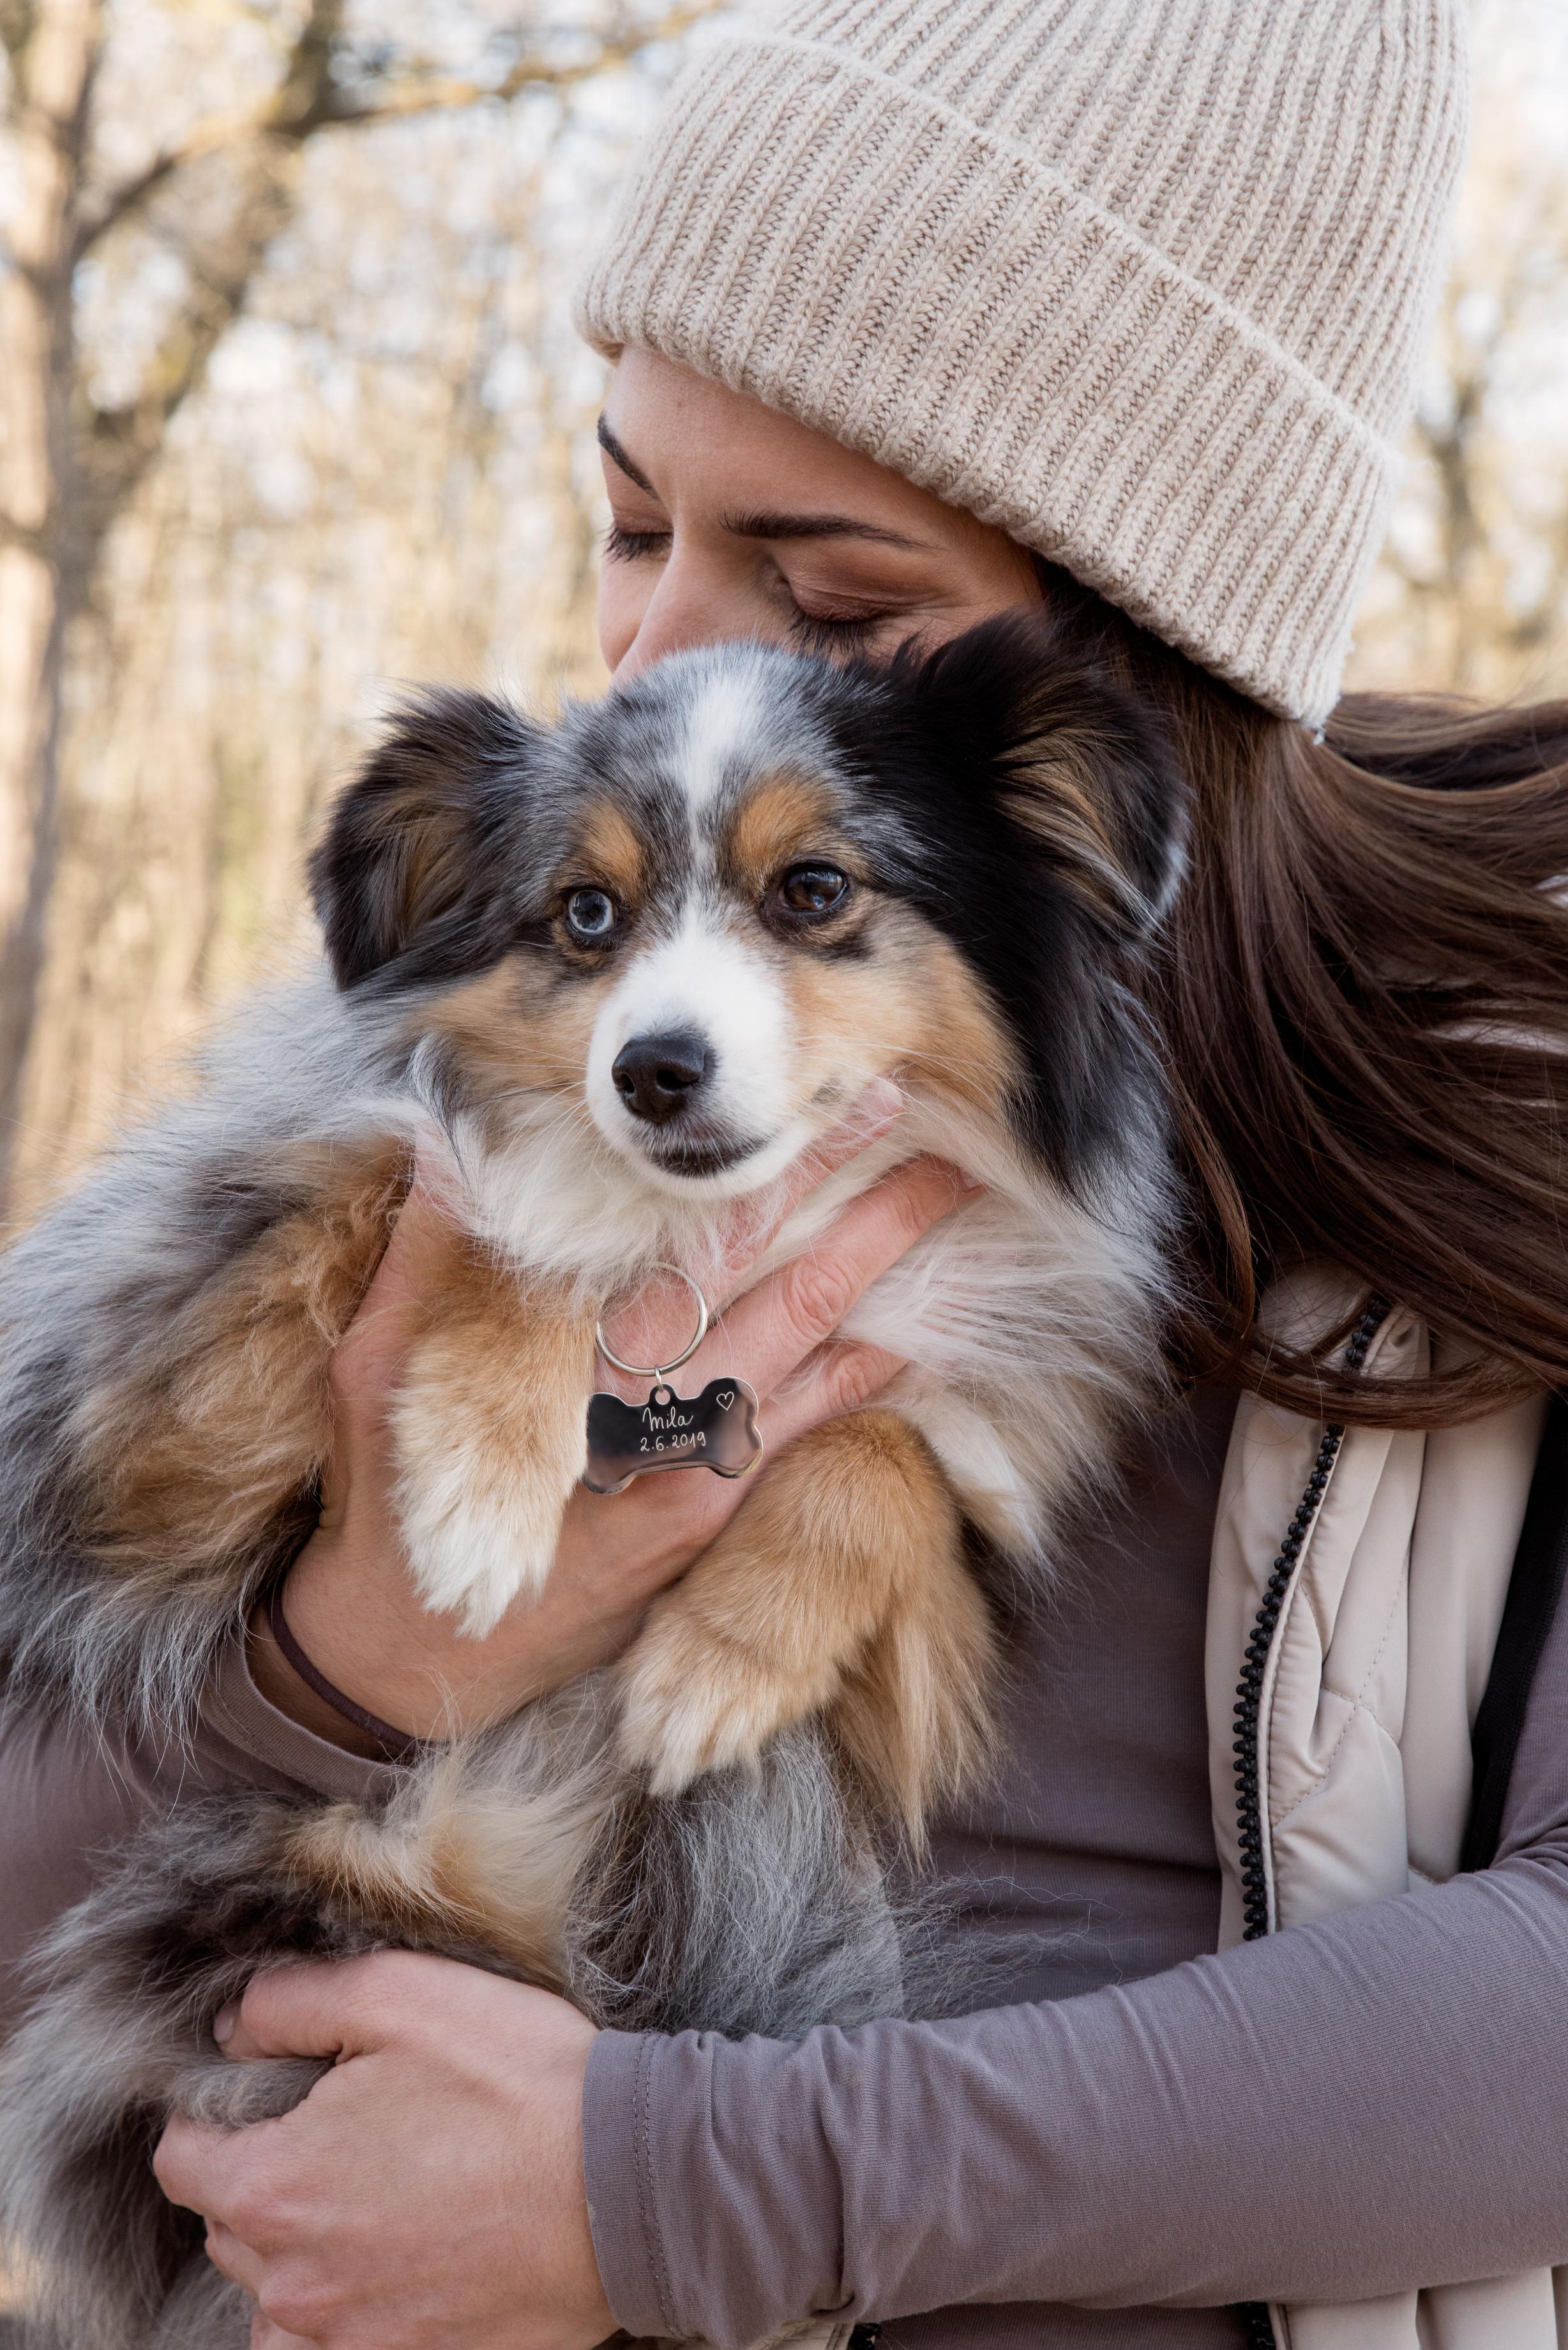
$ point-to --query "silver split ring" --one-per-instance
(660, 1370)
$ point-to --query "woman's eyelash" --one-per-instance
(818, 634)
(812, 631)
(628, 546)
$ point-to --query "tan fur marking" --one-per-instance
(456, 1858)
(518, 1026)
(430, 872)
(841, 1585)
(783, 820)
(1059, 798)
(911, 1007)
(201, 1442)
(608, 850)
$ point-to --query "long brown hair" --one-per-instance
(1363, 998)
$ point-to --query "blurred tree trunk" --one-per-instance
(54, 51)
(68, 464)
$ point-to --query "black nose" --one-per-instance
(659, 1077)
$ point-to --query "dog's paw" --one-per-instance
(470, 1557)
(692, 1704)
(484, 1478)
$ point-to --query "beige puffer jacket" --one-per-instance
(1358, 1752)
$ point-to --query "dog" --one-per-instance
(628, 967)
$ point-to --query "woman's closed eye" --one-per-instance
(821, 632)
(833, 616)
(624, 545)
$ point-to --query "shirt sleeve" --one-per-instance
(71, 1795)
(1361, 2105)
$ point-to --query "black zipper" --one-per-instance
(1248, 1699)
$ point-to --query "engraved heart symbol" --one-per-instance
(726, 1400)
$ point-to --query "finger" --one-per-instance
(266, 2335)
(755, 1221)
(422, 1237)
(235, 2259)
(770, 1331)
(314, 2008)
(196, 2163)
(839, 1377)
(656, 1322)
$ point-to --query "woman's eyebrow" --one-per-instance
(618, 457)
(762, 524)
(822, 525)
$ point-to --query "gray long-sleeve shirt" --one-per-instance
(1146, 2132)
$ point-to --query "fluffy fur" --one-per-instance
(774, 881)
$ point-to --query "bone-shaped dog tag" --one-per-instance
(717, 1429)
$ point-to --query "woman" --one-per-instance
(922, 309)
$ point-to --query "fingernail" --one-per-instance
(223, 2024)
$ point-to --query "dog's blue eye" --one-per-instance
(813, 889)
(590, 914)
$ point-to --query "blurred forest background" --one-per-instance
(291, 411)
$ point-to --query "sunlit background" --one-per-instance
(292, 413)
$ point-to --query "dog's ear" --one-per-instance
(408, 855)
(1078, 767)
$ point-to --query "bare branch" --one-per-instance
(301, 99)
(119, 443)
(134, 193)
(308, 100)
(427, 94)
(296, 108)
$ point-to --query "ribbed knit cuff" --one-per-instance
(813, 232)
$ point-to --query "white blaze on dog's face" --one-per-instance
(717, 1052)
(689, 1067)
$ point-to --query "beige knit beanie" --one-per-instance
(1145, 283)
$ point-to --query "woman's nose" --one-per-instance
(694, 603)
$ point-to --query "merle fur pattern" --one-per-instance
(749, 1902)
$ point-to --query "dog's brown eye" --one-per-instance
(590, 915)
(811, 889)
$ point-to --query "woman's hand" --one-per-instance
(430, 2190)
(351, 1604)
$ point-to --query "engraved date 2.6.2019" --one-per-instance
(717, 1430)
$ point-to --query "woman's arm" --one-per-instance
(1356, 2109)
(1353, 2109)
